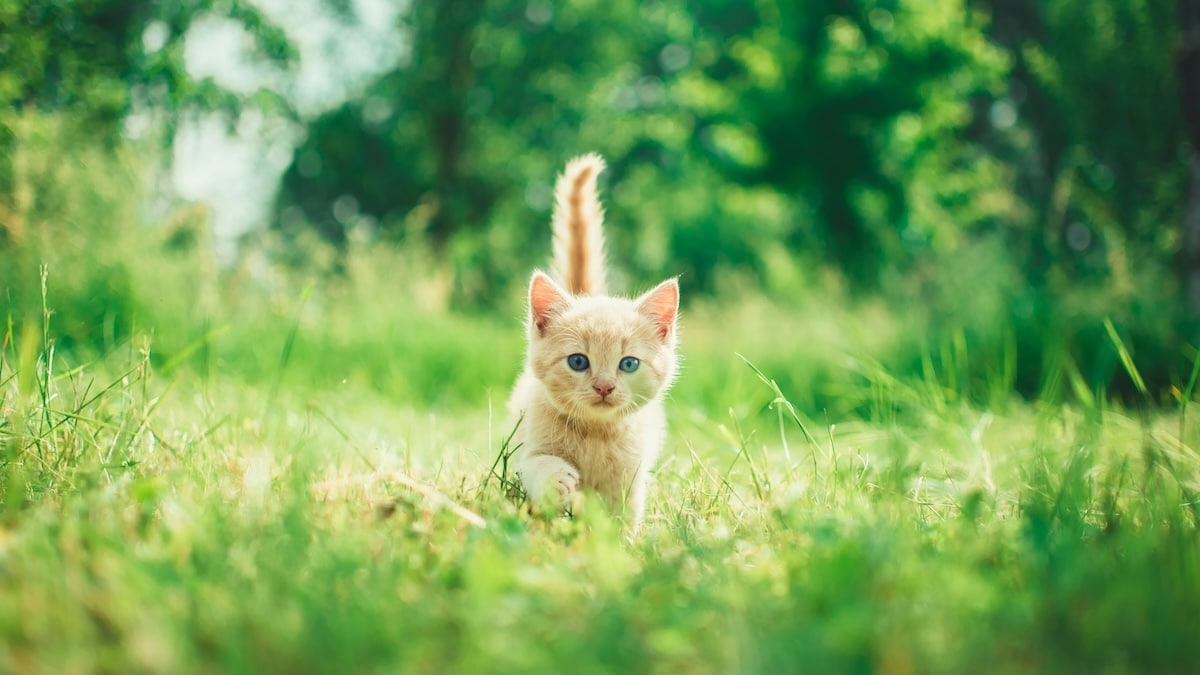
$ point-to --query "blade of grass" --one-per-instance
(782, 400)
(1126, 358)
(289, 343)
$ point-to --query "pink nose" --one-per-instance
(603, 389)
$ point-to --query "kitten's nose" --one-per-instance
(604, 388)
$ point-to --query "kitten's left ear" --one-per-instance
(661, 304)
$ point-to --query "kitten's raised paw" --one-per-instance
(566, 481)
(552, 483)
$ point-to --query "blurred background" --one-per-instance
(965, 191)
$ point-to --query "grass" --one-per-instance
(274, 508)
(253, 471)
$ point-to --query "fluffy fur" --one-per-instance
(600, 428)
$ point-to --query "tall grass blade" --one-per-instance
(1126, 358)
(781, 400)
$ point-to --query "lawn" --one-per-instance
(329, 494)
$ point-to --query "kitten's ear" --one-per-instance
(661, 304)
(546, 300)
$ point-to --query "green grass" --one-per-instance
(270, 469)
(272, 502)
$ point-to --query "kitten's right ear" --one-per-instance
(546, 300)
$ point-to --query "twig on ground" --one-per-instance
(427, 491)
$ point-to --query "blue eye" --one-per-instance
(629, 364)
(577, 362)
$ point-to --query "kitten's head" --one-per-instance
(598, 357)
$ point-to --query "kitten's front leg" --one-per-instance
(550, 481)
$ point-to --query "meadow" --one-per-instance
(262, 275)
(312, 478)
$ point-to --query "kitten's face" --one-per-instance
(601, 358)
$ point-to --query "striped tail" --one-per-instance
(578, 237)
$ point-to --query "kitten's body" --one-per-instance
(601, 427)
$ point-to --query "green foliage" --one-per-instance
(882, 93)
(94, 58)
(1105, 205)
(111, 275)
(70, 55)
(92, 63)
(902, 150)
(918, 148)
(711, 123)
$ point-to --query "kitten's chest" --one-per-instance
(608, 458)
(618, 443)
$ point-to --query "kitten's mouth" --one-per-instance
(607, 404)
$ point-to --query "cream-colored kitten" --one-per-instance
(596, 368)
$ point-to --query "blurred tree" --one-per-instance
(1103, 165)
(461, 142)
(403, 141)
(807, 125)
(859, 110)
(95, 58)
(92, 61)
(1086, 75)
(973, 159)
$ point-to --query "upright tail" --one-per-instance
(578, 220)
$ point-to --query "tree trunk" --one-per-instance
(1190, 251)
(449, 43)
(1188, 68)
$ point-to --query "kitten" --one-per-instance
(596, 368)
